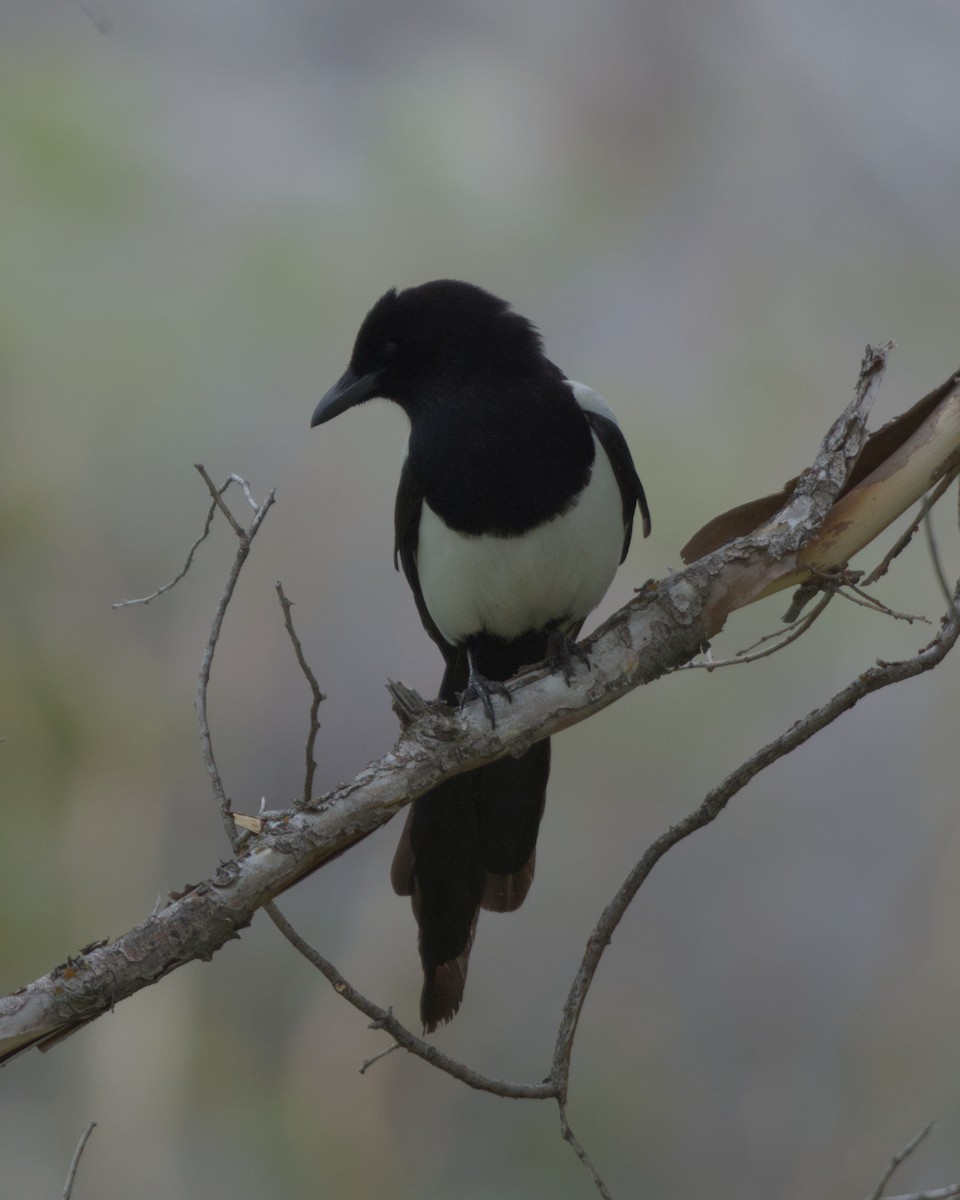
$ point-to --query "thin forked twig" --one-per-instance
(785, 637)
(245, 538)
(216, 503)
(897, 1159)
(317, 697)
(857, 595)
(186, 566)
(841, 585)
(75, 1161)
(217, 494)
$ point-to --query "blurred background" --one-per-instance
(708, 210)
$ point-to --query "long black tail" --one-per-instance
(471, 843)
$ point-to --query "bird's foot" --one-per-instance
(561, 652)
(479, 687)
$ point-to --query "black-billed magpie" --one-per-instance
(515, 507)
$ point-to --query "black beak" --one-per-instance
(349, 390)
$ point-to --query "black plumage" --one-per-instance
(515, 506)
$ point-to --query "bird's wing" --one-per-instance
(604, 425)
(406, 523)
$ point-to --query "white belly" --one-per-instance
(509, 585)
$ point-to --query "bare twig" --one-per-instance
(216, 503)
(897, 1159)
(384, 1019)
(950, 1192)
(75, 1162)
(368, 1062)
(186, 566)
(784, 638)
(935, 560)
(569, 1137)
(858, 596)
(245, 538)
(317, 697)
(217, 494)
(906, 537)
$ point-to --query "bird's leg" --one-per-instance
(482, 689)
(561, 651)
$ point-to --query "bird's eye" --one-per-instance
(389, 350)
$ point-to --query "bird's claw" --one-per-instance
(483, 689)
(561, 651)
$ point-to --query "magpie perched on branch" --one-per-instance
(515, 507)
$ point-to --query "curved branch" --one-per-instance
(384, 1019)
(880, 676)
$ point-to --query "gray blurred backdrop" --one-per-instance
(708, 209)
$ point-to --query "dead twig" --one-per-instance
(784, 636)
(950, 1192)
(384, 1019)
(75, 1162)
(858, 596)
(907, 536)
(186, 566)
(569, 1137)
(245, 538)
(935, 560)
(368, 1062)
(897, 1159)
(317, 697)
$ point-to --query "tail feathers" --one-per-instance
(471, 841)
(504, 893)
(511, 796)
(443, 985)
(401, 869)
(468, 843)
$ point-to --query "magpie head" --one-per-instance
(420, 346)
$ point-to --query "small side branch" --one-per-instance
(904, 540)
(75, 1162)
(570, 1138)
(245, 538)
(897, 1160)
(950, 1192)
(186, 566)
(316, 696)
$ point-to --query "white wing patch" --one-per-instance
(592, 401)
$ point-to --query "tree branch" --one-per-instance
(75, 1161)
(664, 626)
